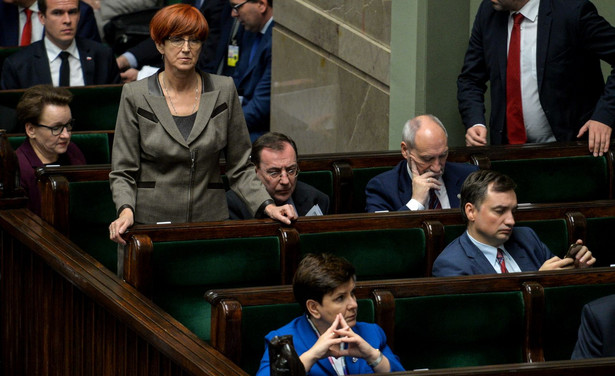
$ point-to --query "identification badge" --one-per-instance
(233, 55)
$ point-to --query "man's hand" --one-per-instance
(421, 184)
(599, 137)
(583, 258)
(285, 213)
(129, 75)
(476, 136)
(556, 263)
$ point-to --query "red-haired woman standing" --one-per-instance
(171, 130)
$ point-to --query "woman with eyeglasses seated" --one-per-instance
(327, 337)
(171, 130)
(44, 112)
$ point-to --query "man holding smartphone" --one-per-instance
(491, 243)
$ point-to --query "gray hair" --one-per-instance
(412, 126)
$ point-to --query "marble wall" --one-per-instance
(330, 74)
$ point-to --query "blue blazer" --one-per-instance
(392, 190)
(9, 18)
(597, 331)
(571, 40)
(304, 338)
(30, 65)
(253, 82)
(462, 257)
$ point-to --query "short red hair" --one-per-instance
(178, 20)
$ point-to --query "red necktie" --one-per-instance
(514, 106)
(434, 202)
(500, 260)
(26, 35)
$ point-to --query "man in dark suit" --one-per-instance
(253, 73)
(275, 158)
(424, 180)
(597, 331)
(491, 243)
(553, 89)
(12, 26)
(85, 62)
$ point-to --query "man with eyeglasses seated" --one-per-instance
(44, 113)
(424, 180)
(274, 156)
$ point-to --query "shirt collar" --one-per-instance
(53, 51)
(264, 29)
(529, 10)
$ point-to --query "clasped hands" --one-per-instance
(328, 344)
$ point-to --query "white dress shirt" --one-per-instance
(491, 253)
(53, 54)
(37, 26)
(441, 194)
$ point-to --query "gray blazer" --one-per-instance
(166, 178)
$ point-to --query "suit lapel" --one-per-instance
(88, 65)
(542, 39)
(206, 107)
(451, 181)
(475, 254)
(501, 42)
(41, 64)
(158, 104)
(404, 186)
(519, 254)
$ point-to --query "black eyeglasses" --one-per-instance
(276, 173)
(236, 7)
(57, 130)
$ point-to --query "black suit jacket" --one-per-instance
(304, 197)
(9, 19)
(571, 40)
(30, 66)
(597, 330)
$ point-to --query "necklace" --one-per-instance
(196, 94)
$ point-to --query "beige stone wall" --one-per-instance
(330, 74)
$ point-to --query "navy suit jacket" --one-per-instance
(253, 82)
(304, 197)
(304, 338)
(571, 40)
(462, 257)
(30, 66)
(392, 190)
(597, 331)
(9, 19)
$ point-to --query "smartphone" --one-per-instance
(573, 249)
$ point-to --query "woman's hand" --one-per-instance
(358, 347)
(120, 225)
(328, 344)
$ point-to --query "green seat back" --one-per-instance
(375, 254)
(563, 307)
(452, 232)
(91, 210)
(543, 180)
(95, 108)
(459, 330)
(258, 321)
(600, 241)
(360, 178)
(321, 180)
(185, 270)
(552, 232)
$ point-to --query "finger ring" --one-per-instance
(429, 180)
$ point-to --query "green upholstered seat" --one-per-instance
(543, 180)
(184, 271)
(600, 241)
(258, 321)
(360, 178)
(91, 210)
(94, 146)
(563, 307)
(321, 180)
(375, 254)
(459, 330)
